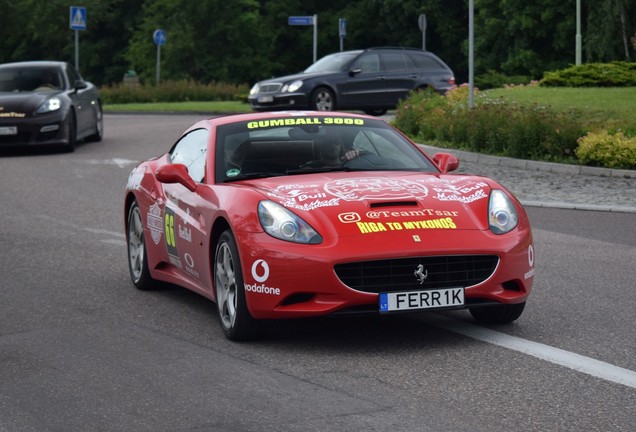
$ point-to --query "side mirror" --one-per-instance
(79, 85)
(446, 162)
(354, 72)
(176, 173)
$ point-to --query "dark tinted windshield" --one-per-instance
(30, 79)
(333, 62)
(307, 143)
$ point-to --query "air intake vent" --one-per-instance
(399, 274)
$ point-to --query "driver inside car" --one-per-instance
(332, 152)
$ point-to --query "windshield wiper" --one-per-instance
(252, 175)
(319, 170)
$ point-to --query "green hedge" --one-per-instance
(492, 126)
(615, 74)
(172, 91)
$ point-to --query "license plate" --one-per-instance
(9, 130)
(265, 99)
(429, 299)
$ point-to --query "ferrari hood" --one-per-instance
(22, 103)
(384, 200)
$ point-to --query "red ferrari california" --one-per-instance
(301, 214)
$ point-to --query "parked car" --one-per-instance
(371, 80)
(47, 103)
(304, 214)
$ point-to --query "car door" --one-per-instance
(184, 225)
(400, 76)
(82, 100)
(364, 85)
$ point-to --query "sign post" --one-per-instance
(422, 24)
(305, 21)
(77, 21)
(342, 31)
(159, 37)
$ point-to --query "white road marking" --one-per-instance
(577, 362)
(121, 163)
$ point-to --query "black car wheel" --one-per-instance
(99, 125)
(137, 261)
(236, 322)
(71, 132)
(323, 99)
(499, 314)
(375, 112)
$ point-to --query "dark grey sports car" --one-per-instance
(46, 103)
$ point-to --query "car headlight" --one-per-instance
(52, 104)
(292, 87)
(282, 224)
(255, 89)
(502, 214)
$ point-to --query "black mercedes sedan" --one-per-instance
(372, 80)
(47, 103)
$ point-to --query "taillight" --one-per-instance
(451, 80)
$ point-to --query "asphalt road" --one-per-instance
(82, 350)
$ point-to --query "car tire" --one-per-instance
(375, 112)
(500, 314)
(71, 126)
(235, 319)
(323, 99)
(137, 258)
(99, 125)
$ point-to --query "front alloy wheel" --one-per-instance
(323, 99)
(236, 322)
(137, 262)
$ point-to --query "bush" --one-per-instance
(493, 126)
(494, 79)
(172, 91)
(615, 74)
(608, 150)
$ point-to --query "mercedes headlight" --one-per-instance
(502, 214)
(50, 105)
(254, 90)
(292, 87)
(282, 224)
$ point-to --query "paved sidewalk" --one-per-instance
(545, 184)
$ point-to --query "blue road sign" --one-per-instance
(342, 27)
(159, 36)
(300, 20)
(77, 18)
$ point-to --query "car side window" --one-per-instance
(368, 63)
(190, 151)
(73, 75)
(392, 62)
(424, 62)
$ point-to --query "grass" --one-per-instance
(609, 108)
(175, 107)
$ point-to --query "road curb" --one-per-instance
(534, 165)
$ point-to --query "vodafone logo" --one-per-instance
(260, 270)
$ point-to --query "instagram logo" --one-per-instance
(349, 217)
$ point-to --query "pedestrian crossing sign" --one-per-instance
(77, 18)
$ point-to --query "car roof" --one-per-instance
(34, 64)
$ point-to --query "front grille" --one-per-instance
(269, 88)
(399, 274)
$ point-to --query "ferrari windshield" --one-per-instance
(306, 144)
(333, 62)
